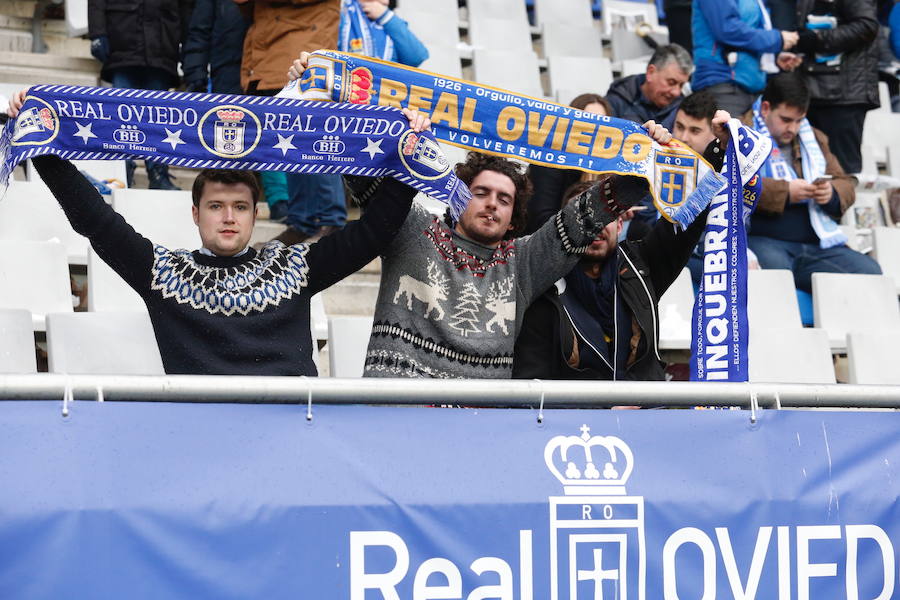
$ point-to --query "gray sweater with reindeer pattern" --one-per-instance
(449, 307)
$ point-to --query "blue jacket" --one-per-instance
(408, 50)
(723, 26)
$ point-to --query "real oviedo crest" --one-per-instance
(422, 156)
(36, 126)
(229, 131)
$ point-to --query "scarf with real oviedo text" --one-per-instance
(217, 131)
(720, 332)
(814, 164)
(485, 119)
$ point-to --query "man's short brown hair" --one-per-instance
(476, 163)
(226, 176)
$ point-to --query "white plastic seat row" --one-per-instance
(16, 342)
(771, 303)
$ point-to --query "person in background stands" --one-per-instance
(139, 45)
(804, 191)
(279, 31)
(600, 321)
(734, 47)
(226, 309)
(841, 68)
(655, 95)
(214, 46)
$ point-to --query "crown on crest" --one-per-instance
(589, 465)
(230, 115)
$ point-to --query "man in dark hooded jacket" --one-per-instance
(655, 95)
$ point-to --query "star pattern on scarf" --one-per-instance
(84, 132)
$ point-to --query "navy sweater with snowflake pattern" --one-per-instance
(213, 315)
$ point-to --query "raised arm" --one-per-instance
(346, 251)
(116, 242)
(337, 255)
(555, 248)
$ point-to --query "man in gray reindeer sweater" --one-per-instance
(452, 297)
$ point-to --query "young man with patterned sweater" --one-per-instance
(452, 297)
(227, 309)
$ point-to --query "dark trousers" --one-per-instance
(805, 259)
(678, 19)
(843, 125)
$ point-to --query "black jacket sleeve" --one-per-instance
(96, 18)
(197, 46)
(550, 184)
(128, 253)
(857, 27)
(346, 251)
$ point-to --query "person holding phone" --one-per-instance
(804, 192)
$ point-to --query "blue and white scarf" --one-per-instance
(219, 131)
(813, 160)
(720, 334)
(360, 35)
(486, 119)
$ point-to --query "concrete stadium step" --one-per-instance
(29, 68)
(16, 18)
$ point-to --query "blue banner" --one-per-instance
(218, 131)
(720, 333)
(157, 500)
(490, 120)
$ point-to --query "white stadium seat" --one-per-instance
(772, 300)
(872, 356)
(886, 250)
(102, 344)
(881, 130)
(35, 276)
(76, 17)
(102, 170)
(444, 61)
(163, 217)
(675, 309)
(514, 71)
(434, 29)
(348, 338)
(107, 291)
(571, 12)
(845, 302)
(793, 355)
(625, 45)
(572, 40)
(627, 14)
(445, 7)
(16, 342)
(500, 34)
(30, 212)
(579, 74)
(512, 11)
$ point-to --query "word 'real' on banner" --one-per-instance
(221, 131)
(494, 121)
(164, 500)
(720, 332)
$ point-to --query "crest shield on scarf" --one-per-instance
(486, 119)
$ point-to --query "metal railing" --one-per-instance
(472, 392)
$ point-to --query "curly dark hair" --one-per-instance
(476, 163)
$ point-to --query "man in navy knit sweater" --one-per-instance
(227, 309)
